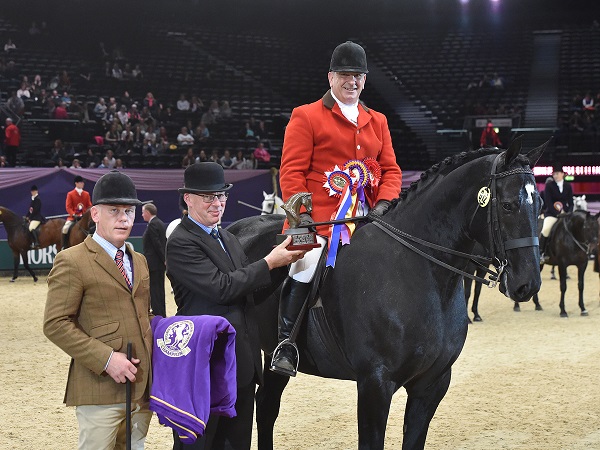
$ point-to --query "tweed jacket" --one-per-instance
(206, 280)
(318, 137)
(90, 311)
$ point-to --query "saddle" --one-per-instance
(325, 353)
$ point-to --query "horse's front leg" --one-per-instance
(562, 274)
(26, 264)
(15, 267)
(374, 399)
(536, 300)
(421, 405)
(268, 401)
(476, 294)
(580, 277)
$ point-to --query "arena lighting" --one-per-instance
(569, 170)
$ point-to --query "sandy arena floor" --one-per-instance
(525, 380)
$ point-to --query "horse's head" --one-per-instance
(590, 231)
(507, 216)
(579, 203)
(307, 201)
(271, 204)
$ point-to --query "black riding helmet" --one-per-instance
(349, 57)
(115, 188)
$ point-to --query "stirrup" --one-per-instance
(280, 370)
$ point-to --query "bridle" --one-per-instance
(498, 246)
(586, 246)
(265, 211)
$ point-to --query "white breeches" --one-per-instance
(68, 224)
(304, 269)
(34, 224)
(549, 222)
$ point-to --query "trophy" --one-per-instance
(302, 237)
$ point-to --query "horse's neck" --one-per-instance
(11, 221)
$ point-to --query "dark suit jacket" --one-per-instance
(90, 311)
(206, 280)
(154, 241)
(36, 212)
(553, 195)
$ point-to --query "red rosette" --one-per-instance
(374, 170)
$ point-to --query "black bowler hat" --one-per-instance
(33, 188)
(78, 179)
(115, 188)
(204, 177)
(557, 168)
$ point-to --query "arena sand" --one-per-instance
(525, 380)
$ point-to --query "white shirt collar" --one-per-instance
(350, 112)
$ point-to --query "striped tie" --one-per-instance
(119, 261)
(215, 233)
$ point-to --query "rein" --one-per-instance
(498, 249)
(578, 243)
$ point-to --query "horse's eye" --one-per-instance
(506, 206)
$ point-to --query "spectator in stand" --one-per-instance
(33, 29)
(126, 142)
(576, 123)
(239, 161)
(588, 102)
(196, 105)
(261, 131)
(126, 99)
(215, 157)
(247, 131)
(201, 133)
(123, 115)
(105, 164)
(58, 152)
(91, 159)
(100, 109)
(185, 138)
(261, 154)
(107, 69)
(15, 104)
(497, 81)
(36, 86)
(150, 141)
(12, 141)
(163, 139)
(167, 116)
(111, 159)
(134, 114)
(226, 160)
(202, 157)
(3, 162)
(64, 81)
(12, 71)
(146, 117)
(183, 104)
(111, 116)
(85, 76)
(225, 109)
(24, 92)
(252, 162)
(116, 72)
(60, 112)
(66, 99)
(119, 164)
(188, 159)
(489, 137)
(112, 136)
(76, 164)
(9, 47)
(208, 118)
(151, 103)
(214, 109)
(137, 73)
(127, 72)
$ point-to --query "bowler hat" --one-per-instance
(115, 188)
(557, 168)
(78, 179)
(348, 57)
(204, 177)
(34, 188)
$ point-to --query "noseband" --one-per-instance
(498, 246)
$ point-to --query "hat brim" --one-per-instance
(119, 201)
(208, 189)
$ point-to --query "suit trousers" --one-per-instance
(157, 293)
(223, 433)
(103, 426)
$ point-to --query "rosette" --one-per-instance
(336, 180)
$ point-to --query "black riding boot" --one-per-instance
(543, 257)
(35, 234)
(64, 241)
(285, 356)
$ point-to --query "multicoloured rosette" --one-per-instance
(349, 183)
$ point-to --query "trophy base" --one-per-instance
(302, 239)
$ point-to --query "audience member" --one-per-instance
(182, 103)
(188, 159)
(261, 153)
(226, 160)
(9, 46)
(184, 138)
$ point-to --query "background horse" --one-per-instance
(19, 237)
(271, 204)
(571, 241)
(391, 318)
(80, 229)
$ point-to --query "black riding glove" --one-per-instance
(305, 220)
(379, 209)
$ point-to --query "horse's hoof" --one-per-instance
(517, 308)
(538, 308)
(584, 313)
(553, 277)
(35, 279)
(477, 319)
(564, 315)
(12, 280)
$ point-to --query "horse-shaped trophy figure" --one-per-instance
(392, 313)
(272, 204)
(19, 238)
(572, 240)
(293, 205)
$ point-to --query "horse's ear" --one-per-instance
(513, 150)
(534, 155)
(264, 194)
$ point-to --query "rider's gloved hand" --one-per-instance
(379, 209)
(305, 220)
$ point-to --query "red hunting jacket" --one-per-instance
(318, 137)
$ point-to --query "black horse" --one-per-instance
(573, 238)
(391, 318)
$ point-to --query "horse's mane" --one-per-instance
(448, 165)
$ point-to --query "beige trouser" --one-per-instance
(102, 427)
(68, 224)
(34, 224)
(304, 269)
(549, 222)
